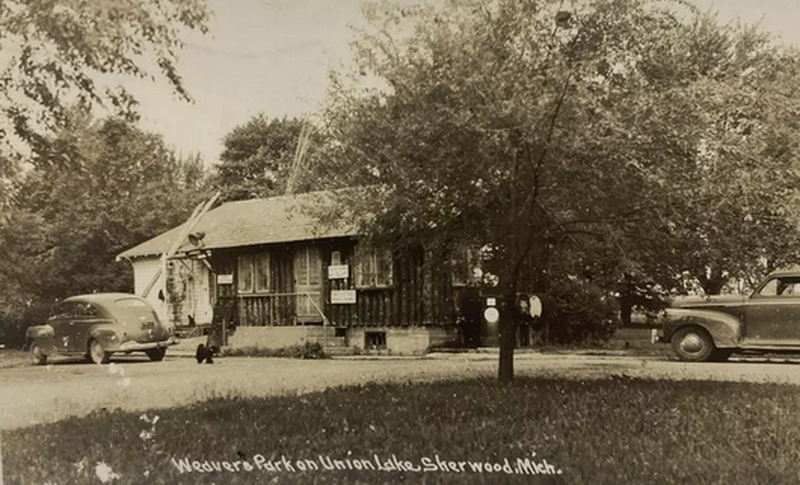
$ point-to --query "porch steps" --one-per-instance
(333, 345)
(337, 351)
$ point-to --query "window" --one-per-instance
(262, 273)
(373, 266)
(781, 287)
(245, 279)
(66, 309)
(374, 340)
(87, 310)
(465, 266)
(253, 273)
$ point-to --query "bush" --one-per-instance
(309, 350)
(577, 311)
(12, 333)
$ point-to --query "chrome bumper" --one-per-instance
(132, 346)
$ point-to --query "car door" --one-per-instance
(63, 323)
(85, 317)
(772, 314)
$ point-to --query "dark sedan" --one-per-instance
(99, 325)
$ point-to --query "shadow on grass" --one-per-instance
(619, 430)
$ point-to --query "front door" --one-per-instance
(772, 314)
(308, 284)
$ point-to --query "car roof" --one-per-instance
(791, 274)
(101, 298)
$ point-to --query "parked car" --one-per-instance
(99, 325)
(714, 327)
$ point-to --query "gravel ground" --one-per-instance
(33, 395)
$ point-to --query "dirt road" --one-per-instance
(30, 395)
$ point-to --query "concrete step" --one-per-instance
(332, 341)
(335, 351)
(320, 331)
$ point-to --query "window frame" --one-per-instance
(252, 262)
(375, 258)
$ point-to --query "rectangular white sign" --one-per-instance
(224, 279)
(338, 271)
(343, 297)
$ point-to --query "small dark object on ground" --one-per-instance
(204, 354)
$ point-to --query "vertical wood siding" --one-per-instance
(421, 292)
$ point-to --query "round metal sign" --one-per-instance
(535, 306)
(491, 314)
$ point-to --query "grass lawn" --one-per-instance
(10, 358)
(602, 431)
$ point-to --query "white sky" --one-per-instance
(273, 56)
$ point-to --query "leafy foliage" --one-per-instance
(629, 144)
(58, 53)
(94, 190)
(257, 158)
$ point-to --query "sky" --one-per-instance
(274, 56)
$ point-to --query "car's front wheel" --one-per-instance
(97, 353)
(693, 344)
(37, 356)
(156, 354)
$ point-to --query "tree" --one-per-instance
(94, 190)
(57, 53)
(568, 142)
(257, 158)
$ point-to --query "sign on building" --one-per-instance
(338, 271)
(224, 279)
(343, 297)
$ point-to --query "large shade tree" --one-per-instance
(605, 142)
(58, 53)
(258, 157)
(95, 189)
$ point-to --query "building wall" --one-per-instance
(202, 292)
(399, 341)
(421, 292)
(188, 291)
(144, 269)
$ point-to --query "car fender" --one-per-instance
(106, 334)
(44, 335)
(725, 329)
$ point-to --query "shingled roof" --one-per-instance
(250, 222)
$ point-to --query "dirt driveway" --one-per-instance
(30, 395)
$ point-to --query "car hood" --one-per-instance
(689, 301)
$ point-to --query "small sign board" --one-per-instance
(338, 271)
(224, 279)
(343, 297)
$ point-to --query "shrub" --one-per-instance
(309, 350)
(577, 311)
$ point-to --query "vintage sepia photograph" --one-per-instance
(399, 241)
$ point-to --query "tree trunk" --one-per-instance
(505, 370)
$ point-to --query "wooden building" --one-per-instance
(293, 281)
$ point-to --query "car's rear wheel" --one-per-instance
(37, 356)
(97, 353)
(156, 354)
(693, 344)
